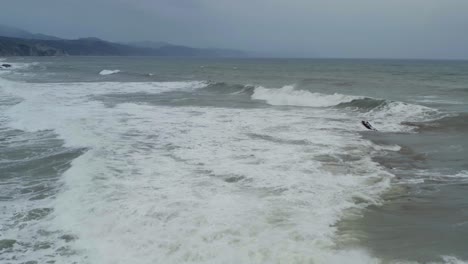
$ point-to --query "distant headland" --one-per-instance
(18, 42)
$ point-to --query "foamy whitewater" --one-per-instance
(191, 171)
(108, 72)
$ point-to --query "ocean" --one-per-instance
(177, 160)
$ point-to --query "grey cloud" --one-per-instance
(333, 28)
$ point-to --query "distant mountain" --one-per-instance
(83, 47)
(97, 47)
(19, 42)
(12, 32)
(149, 44)
(180, 50)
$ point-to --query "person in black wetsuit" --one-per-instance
(368, 125)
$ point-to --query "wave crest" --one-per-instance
(288, 95)
(387, 115)
(392, 116)
(108, 72)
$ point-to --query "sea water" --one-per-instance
(171, 160)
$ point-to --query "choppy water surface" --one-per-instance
(157, 160)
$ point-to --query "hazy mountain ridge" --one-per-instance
(148, 44)
(168, 47)
(12, 32)
(18, 42)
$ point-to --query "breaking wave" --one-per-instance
(392, 115)
(108, 72)
(289, 96)
(388, 115)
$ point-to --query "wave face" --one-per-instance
(225, 88)
(108, 72)
(389, 116)
(289, 96)
(362, 104)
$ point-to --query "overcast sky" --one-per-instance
(325, 28)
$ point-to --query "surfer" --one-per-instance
(368, 125)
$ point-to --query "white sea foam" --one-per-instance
(390, 116)
(15, 66)
(439, 101)
(387, 147)
(200, 185)
(191, 200)
(423, 175)
(451, 260)
(197, 185)
(435, 99)
(445, 260)
(287, 95)
(462, 174)
(108, 72)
